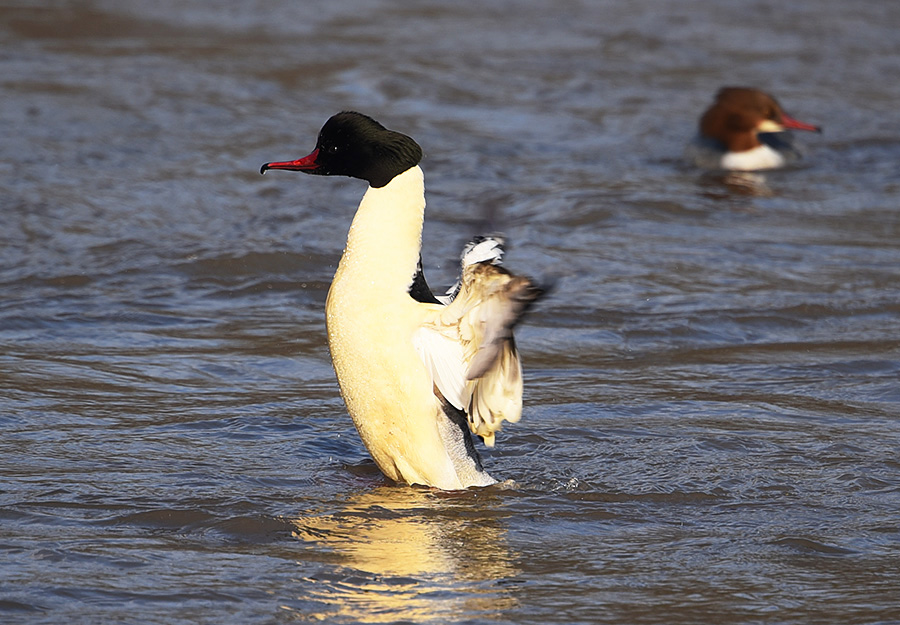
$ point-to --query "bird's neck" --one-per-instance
(385, 238)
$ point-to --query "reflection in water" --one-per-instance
(749, 183)
(410, 554)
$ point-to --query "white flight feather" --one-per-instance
(468, 349)
(443, 358)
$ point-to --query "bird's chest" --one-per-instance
(383, 381)
(370, 334)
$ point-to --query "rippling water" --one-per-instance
(711, 431)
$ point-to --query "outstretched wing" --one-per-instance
(468, 346)
(481, 249)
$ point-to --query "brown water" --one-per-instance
(712, 424)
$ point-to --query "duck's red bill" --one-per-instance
(307, 163)
(795, 124)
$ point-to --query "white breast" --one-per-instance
(762, 157)
(371, 322)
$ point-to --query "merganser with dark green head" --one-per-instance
(419, 376)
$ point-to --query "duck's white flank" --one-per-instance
(372, 321)
(760, 157)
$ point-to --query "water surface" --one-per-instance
(711, 426)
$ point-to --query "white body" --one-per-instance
(372, 324)
(760, 157)
(709, 154)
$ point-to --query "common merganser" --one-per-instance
(743, 130)
(418, 376)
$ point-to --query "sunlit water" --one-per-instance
(711, 429)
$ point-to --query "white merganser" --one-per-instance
(743, 130)
(416, 375)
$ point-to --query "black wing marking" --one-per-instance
(419, 289)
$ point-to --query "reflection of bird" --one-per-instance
(408, 555)
(416, 374)
(743, 130)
